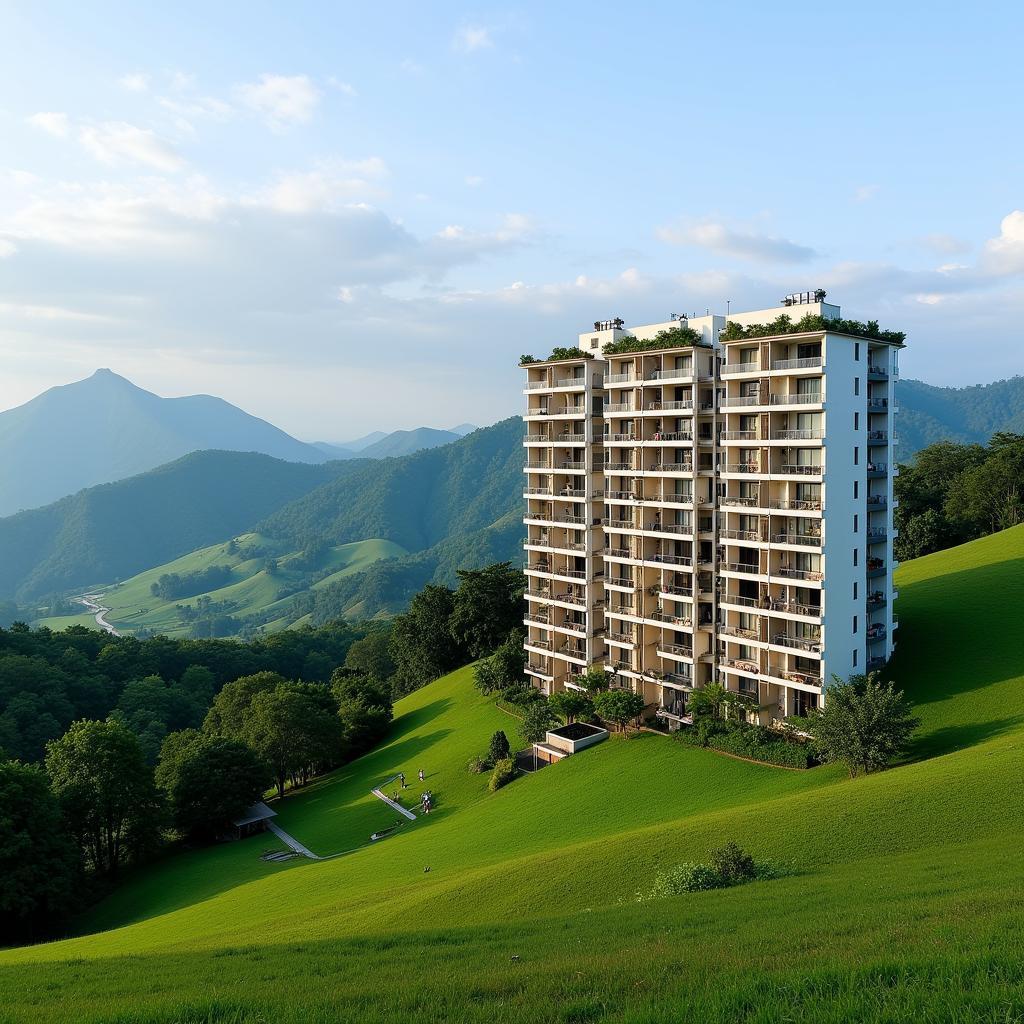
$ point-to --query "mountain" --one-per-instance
(112, 531)
(929, 414)
(105, 428)
(405, 442)
(464, 428)
(361, 442)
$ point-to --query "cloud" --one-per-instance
(118, 142)
(1005, 254)
(471, 38)
(727, 242)
(51, 122)
(474, 180)
(134, 82)
(863, 193)
(325, 186)
(345, 88)
(945, 244)
(282, 100)
(7, 248)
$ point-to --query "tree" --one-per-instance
(863, 724)
(371, 655)
(537, 719)
(487, 606)
(571, 704)
(499, 748)
(106, 792)
(990, 497)
(421, 640)
(364, 708)
(619, 706)
(227, 712)
(504, 668)
(209, 780)
(39, 862)
(295, 730)
(594, 680)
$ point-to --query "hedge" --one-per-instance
(742, 743)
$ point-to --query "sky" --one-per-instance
(347, 216)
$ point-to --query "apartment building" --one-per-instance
(717, 509)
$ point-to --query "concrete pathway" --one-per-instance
(291, 842)
(391, 803)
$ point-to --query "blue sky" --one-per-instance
(349, 216)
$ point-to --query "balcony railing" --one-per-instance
(615, 407)
(797, 435)
(732, 499)
(792, 608)
(743, 467)
(799, 643)
(668, 559)
(619, 378)
(739, 401)
(797, 398)
(671, 373)
(878, 403)
(743, 602)
(740, 664)
(681, 405)
(809, 540)
(669, 467)
(571, 382)
(747, 568)
(682, 650)
(878, 435)
(797, 364)
(743, 634)
(740, 367)
(800, 470)
(671, 435)
(807, 678)
(622, 437)
(620, 581)
(813, 576)
(797, 506)
(749, 535)
(674, 590)
(676, 620)
(878, 371)
(738, 435)
(877, 533)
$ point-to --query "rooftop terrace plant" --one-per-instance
(575, 352)
(674, 337)
(785, 324)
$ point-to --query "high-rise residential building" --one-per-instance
(710, 499)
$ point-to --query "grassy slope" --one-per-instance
(133, 606)
(912, 876)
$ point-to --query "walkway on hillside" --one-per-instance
(291, 842)
(392, 804)
(91, 601)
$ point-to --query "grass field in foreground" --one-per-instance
(906, 903)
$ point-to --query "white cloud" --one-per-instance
(136, 81)
(474, 180)
(863, 193)
(471, 38)
(281, 99)
(51, 122)
(117, 142)
(728, 242)
(7, 248)
(345, 88)
(1005, 253)
(324, 187)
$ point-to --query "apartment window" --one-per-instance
(855, 623)
(594, 342)
(856, 455)
(856, 521)
(856, 351)
(855, 658)
(856, 421)
(856, 489)
(855, 590)
(855, 557)
(856, 385)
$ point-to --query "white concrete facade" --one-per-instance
(718, 511)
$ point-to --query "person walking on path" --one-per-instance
(401, 777)
(422, 776)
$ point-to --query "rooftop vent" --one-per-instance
(609, 325)
(799, 298)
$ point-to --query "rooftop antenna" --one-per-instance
(728, 305)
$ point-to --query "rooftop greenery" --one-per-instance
(575, 352)
(672, 338)
(784, 324)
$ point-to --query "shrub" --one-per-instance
(675, 337)
(732, 864)
(479, 765)
(754, 742)
(499, 749)
(536, 721)
(504, 772)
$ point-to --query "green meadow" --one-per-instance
(905, 901)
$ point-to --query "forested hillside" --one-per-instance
(972, 414)
(417, 500)
(113, 531)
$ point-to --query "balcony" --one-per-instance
(878, 373)
(876, 632)
(745, 568)
(680, 406)
(620, 378)
(621, 437)
(790, 469)
(877, 501)
(787, 573)
(808, 363)
(742, 602)
(676, 620)
(743, 467)
(741, 401)
(744, 535)
(619, 407)
(739, 665)
(877, 469)
(798, 398)
(675, 650)
(672, 590)
(743, 634)
(738, 435)
(792, 608)
(731, 368)
(876, 534)
(673, 373)
(878, 437)
(798, 643)
(796, 506)
(797, 435)
(808, 540)
(732, 499)
(878, 404)
(790, 676)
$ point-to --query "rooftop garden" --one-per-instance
(675, 337)
(575, 352)
(785, 324)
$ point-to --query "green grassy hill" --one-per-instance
(905, 905)
(251, 591)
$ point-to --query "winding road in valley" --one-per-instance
(91, 601)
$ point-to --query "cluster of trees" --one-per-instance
(784, 324)
(101, 803)
(446, 628)
(954, 492)
(172, 585)
(155, 686)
